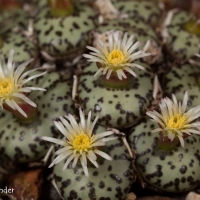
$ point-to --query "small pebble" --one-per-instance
(192, 196)
(131, 196)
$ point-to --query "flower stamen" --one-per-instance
(6, 86)
(82, 142)
(116, 57)
(176, 122)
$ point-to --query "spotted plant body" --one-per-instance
(175, 171)
(180, 43)
(10, 20)
(24, 49)
(79, 143)
(141, 30)
(146, 11)
(181, 78)
(118, 107)
(24, 140)
(14, 24)
(112, 180)
(62, 36)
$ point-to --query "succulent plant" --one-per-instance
(109, 176)
(12, 16)
(60, 36)
(147, 11)
(181, 34)
(180, 78)
(24, 49)
(116, 94)
(169, 161)
(15, 23)
(21, 133)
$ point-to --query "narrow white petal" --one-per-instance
(135, 65)
(94, 162)
(36, 88)
(10, 59)
(54, 140)
(119, 74)
(67, 125)
(82, 119)
(76, 157)
(91, 48)
(20, 69)
(102, 154)
(105, 70)
(156, 130)
(98, 143)
(32, 77)
(74, 123)
(123, 74)
(108, 139)
(89, 120)
(64, 149)
(152, 114)
(83, 158)
(18, 108)
(104, 134)
(94, 123)
(10, 104)
(85, 169)
(189, 131)
(24, 98)
(59, 158)
(26, 90)
(71, 157)
(98, 72)
(92, 155)
(171, 135)
(181, 140)
(135, 46)
(61, 128)
(130, 71)
(109, 73)
(185, 100)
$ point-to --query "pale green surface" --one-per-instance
(101, 183)
(12, 19)
(51, 105)
(165, 170)
(141, 30)
(71, 39)
(145, 10)
(180, 17)
(180, 79)
(130, 103)
(182, 43)
(24, 49)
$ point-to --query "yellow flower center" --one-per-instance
(82, 142)
(115, 57)
(6, 86)
(176, 122)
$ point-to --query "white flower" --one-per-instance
(174, 120)
(118, 56)
(79, 142)
(12, 84)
